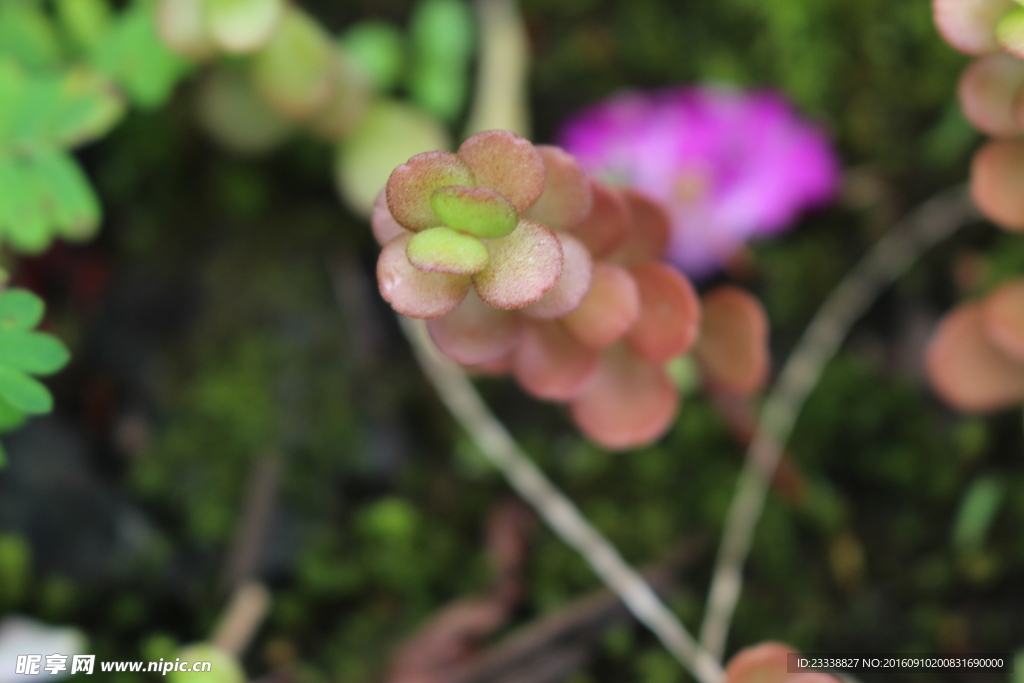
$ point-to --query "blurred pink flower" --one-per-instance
(730, 165)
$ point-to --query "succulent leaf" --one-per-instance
(414, 292)
(733, 344)
(444, 250)
(475, 333)
(573, 284)
(566, 199)
(505, 162)
(523, 267)
(608, 310)
(411, 186)
(670, 314)
(475, 210)
(997, 176)
(551, 364)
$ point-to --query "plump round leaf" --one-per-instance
(997, 176)
(296, 71)
(573, 284)
(670, 313)
(499, 367)
(33, 352)
(566, 199)
(608, 310)
(551, 364)
(234, 115)
(605, 228)
(1010, 32)
(385, 227)
(20, 310)
(475, 210)
(475, 333)
(764, 663)
(411, 187)
(733, 345)
(627, 403)
(242, 26)
(988, 90)
(182, 27)
(348, 105)
(387, 136)
(85, 21)
(378, 49)
(966, 367)
(970, 25)
(413, 292)
(1003, 314)
(23, 392)
(523, 267)
(649, 229)
(505, 162)
(444, 250)
(23, 217)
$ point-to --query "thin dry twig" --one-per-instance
(560, 514)
(886, 262)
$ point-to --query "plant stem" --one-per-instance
(888, 260)
(560, 514)
(503, 68)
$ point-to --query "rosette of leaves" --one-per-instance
(601, 337)
(24, 355)
(456, 223)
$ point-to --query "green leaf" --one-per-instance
(22, 214)
(10, 417)
(33, 352)
(13, 86)
(442, 30)
(444, 250)
(85, 21)
(376, 47)
(134, 56)
(27, 35)
(86, 107)
(977, 512)
(23, 392)
(20, 310)
(69, 200)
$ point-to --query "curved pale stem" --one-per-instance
(889, 259)
(503, 65)
(560, 514)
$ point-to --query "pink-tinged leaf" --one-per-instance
(733, 344)
(385, 227)
(812, 677)
(669, 319)
(348, 105)
(573, 285)
(498, 367)
(476, 210)
(550, 363)
(413, 292)
(988, 90)
(1010, 32)
(605, 228)
(764, 663)
(181, 25)
(970, 25)
(411, 185)
(505, 162)
(566, 199)
(967, 369)
(608, 310)
(1003, 313)
(443, 250)
(629, 402)
(524, 266)
(649, 229)
(997, 182)
(475, 333)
